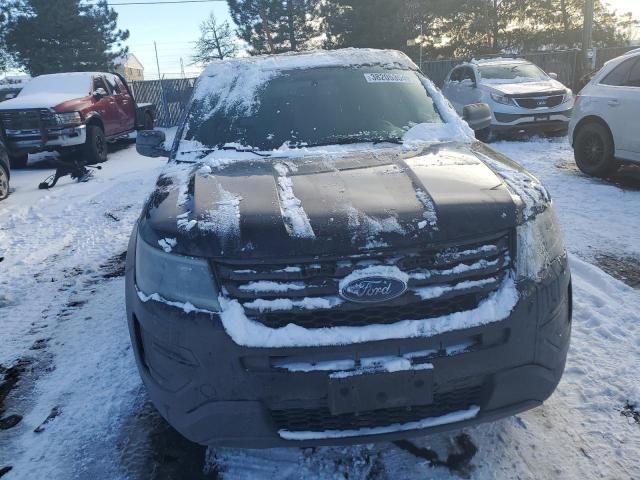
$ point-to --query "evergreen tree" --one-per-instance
(217, 41)
(47, 36)
(274, 26)
(468, 27)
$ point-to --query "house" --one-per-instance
(130, 68)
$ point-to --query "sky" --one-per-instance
(174, 27)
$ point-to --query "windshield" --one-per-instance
(319, 106)
(512, 71)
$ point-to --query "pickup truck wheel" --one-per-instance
(18, 161)
(148, 122)
(593, 150)
(4, 182)
(95, 148)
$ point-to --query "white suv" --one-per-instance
(521, 96)
(605, 127)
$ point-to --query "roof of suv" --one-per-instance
(345, 57)
(498, 61)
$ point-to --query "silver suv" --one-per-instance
(522, 97)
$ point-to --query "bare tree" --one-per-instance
(217, 41)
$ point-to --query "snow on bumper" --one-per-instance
(217, 392)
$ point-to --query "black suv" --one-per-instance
(330, 257)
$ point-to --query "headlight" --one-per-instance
(539, 243)
(69, 119)
(568, 95)
(175, 277)
(496, 97)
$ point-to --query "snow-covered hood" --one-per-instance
(386, 198)
(525, 88)
(57, 101)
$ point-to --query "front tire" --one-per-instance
(4, 182)
(593, 150)
(95, 147)
(18, 161)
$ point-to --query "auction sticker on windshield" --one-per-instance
(386, 78)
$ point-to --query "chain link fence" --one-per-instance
(169, 96)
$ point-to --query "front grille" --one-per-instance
(461, 277)
(539, 102)
(359, 317)
(35, 119)
(321, 419)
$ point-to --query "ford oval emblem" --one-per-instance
(373, 289)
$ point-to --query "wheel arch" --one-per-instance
(592, 119)
(95, 120)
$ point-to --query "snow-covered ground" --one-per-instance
(63, 336)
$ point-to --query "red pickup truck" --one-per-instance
(72, 112)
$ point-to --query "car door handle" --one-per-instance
(613, 103)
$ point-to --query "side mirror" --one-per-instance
(553, 75)
(150, 143)
(100, 92)
(477, 115)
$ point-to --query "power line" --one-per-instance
(167, 2)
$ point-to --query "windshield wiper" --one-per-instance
(206, 151)
(351, 140)
(396, 140)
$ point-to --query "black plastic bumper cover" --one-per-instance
(216, 392)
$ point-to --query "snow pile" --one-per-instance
(51, 90)
(430, 216)
(296, 220)
(224, 219)
(283, 304)
(263, 286)
(167, 244)
(388, 364)
(367, 228)
(523, 185)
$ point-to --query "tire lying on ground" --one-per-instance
(95, 148)
(593, 150)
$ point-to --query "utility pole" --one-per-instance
(421, 38)
(155, 47)
(164, 99)
(588, 53)
(182, 68)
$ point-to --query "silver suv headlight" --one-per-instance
(540, 242)
(503, 99)
(176, 278)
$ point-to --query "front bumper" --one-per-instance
(216, 392)
(539, 121)
(32, 141)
